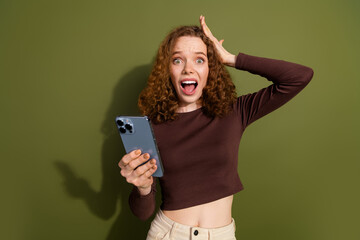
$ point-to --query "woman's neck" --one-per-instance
(184, 108)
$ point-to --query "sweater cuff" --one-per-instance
(136, 193)
(143, 206)
(240, 61)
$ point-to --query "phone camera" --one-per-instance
(120, 123)
(128, 127)
(122, 130)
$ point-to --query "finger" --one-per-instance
(205, 28)
(142, 169)
(143, 179)
(137, 161)
(150, 172)
(207, 31)
(127, 158)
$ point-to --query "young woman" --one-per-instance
(198, 122)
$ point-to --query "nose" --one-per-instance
(188, 68)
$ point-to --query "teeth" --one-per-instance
(188, 82)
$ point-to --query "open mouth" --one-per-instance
(188, 86)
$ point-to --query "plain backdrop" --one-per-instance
(67, 68)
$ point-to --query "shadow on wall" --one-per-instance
(114, 187)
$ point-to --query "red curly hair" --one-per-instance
(159, 101)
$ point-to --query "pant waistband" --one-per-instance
(196, 230)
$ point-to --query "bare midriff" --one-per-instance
(209, 215)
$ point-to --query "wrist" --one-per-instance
(144, 191)
(230, 60)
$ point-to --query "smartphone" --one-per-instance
(137, 133)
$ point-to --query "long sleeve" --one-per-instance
(288, 80)
(143, 206)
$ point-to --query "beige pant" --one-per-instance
(163, 228)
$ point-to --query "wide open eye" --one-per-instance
(199, 60)
(177, 61)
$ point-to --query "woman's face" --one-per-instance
(189, 71)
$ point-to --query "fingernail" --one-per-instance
(146, 155)
(137, 152)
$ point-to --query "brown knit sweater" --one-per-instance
(199, 153)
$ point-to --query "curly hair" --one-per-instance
(159, 101)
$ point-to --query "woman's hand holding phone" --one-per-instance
(139, 176)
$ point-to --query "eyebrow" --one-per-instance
(195, 52)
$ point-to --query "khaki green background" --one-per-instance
(67, 68)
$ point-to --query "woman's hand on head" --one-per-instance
(226, 57)
(141, 176)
